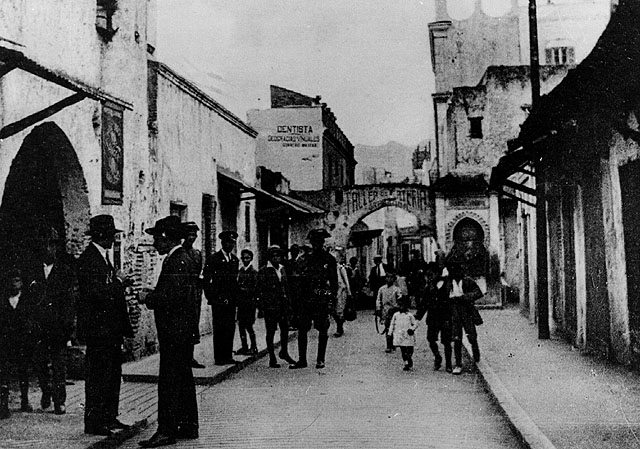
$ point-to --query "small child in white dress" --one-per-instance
(403, 326)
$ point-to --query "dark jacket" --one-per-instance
(272, 292)
(18, 328)
(56, 298)
(247, 279)
(172, 300)
(318, 278)
(221, 279)
(436, 306)
(375, 281)
(103, 316)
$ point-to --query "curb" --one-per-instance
(519, 420)
(120, 437)
(215, 379)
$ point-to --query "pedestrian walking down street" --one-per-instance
(344, 293)
(318, 286)
(377, 275)
(103, 322)
(221, 290)
(247, 279)
(17, 339)
(172, 305)
(438, 311)
(194, 255)
(356, 281)
(387, 304)
(274, 301)
(55, 292)
(462, 292)
(402, 329)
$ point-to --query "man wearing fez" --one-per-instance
(195, 269)
(172, 304)
(318, 275)
(54, 289)
(103, 322)
(221, 289)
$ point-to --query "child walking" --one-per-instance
(387, 305)
(403, 326)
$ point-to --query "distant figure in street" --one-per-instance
(247, 279)
(318, 286)
(402, 329)
(274, 301)
(387, 304)
(462, 292)
(344, 293)
(294, 250)
(438, 310)
(18, 331)
(356, 280)
(55, 291)
(415, 274)
(190, 230)
(377, 274)
(103, 322)
(172, 304)
(221, 290)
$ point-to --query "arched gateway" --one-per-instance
(358, 201)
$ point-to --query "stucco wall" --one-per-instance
(303, 166)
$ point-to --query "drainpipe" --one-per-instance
(542, 297)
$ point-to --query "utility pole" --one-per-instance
(541, 202)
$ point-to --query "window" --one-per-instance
(475, 129)
(560, 56)
(105, 9)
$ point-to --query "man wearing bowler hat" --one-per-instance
(318, 284)
(172, 304)
(221, 290)
(195, 269)
(103, 322)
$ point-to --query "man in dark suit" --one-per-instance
(318, 286)
(55, 291)
(377, 275)
(221, 290)
(273, 299)
(172, 304)
(195, 269)
(103, 322)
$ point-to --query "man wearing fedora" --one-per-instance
(172, 304)
(221, 290)
(318, 284)
(103, 322)
(195, 269)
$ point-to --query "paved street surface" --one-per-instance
(362, 399)
(577, 401)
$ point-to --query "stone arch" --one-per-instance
(451, 226)
(45, 188)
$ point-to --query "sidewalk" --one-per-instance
(554, 396)
(138, 403)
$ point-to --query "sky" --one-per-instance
(368, 59)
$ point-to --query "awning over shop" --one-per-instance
(280, 200)
(363, 238)
(12, 57)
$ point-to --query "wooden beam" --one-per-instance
(32, 119)
(526, 171)
(517, 198)
(520, 187)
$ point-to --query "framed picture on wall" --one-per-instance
(112, 154)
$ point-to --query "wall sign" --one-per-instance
(112, 154)
(296, 136)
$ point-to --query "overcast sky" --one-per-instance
(368, 59)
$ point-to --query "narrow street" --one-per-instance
(362, 399)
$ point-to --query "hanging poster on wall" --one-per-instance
(112, 154)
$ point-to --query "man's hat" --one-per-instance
(378, 256)
(169, 226)
(274, 249)
(228, 235)
(319, 233)
(102, 225)
(190, 226)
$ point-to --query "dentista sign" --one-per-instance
(295, 136)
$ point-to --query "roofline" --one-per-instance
(197, 93)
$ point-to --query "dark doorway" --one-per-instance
(630, 186)
(45, 190)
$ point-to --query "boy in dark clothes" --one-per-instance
(247, 278)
